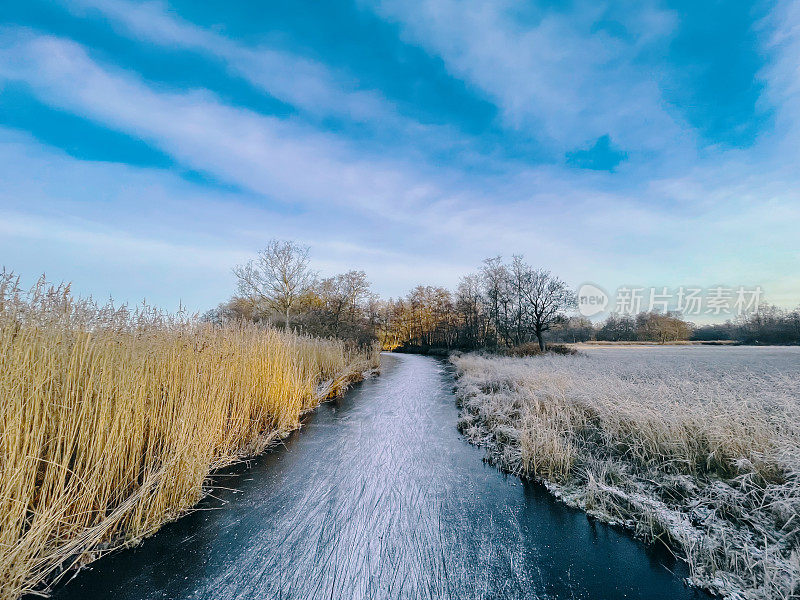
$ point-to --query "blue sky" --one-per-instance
(145, 148)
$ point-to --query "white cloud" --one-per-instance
(299, 81)
(277, 158)
(557, 77)
(312, 87)
(402, 222)
(780, 31)
(133, 232)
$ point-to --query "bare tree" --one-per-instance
(496, 284)
(520, 279)
(468, 305)
(341, 297)
(548, 298)
(356, 286)
(279, 276)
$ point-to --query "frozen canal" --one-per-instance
(378, 496)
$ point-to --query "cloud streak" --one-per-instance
(280, 159)
(560, 76)
(296, 80)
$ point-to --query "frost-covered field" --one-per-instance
(698, 447)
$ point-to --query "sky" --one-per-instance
(147, 147)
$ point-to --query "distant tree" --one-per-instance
(236, 309)
(520, 281)
(769, 325)
(278, 277)
(496, 281)
(617, 328)
(356, 289)
(548, 298)
(395, 327)
(503, 304)
(714, 331)
(574, 329)
(661, 327)
(469, 308)
(338, 306)
(793, 326)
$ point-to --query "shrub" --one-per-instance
(532, 349)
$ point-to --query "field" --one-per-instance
(111, 420)
(695, 447)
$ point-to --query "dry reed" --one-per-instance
(112, 419)
(707, 462)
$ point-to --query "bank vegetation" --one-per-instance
(113, 418)
(704, 461)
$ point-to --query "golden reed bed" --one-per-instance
(111, 420)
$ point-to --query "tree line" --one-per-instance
(503, 304)
(279, 288)
(652, 326)
(768, 325)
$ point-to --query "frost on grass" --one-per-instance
(706, 461)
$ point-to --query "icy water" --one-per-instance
(378, 496)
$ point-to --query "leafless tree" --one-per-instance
(356, 287)
(548, 298)
(496, 284)
(278, 277)
(520, 280)
(469, 306)
(341, 297)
